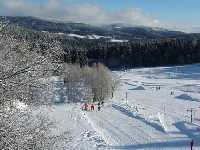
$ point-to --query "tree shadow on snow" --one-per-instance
(186, 97)
(157, 145)
(190, 130)
(130, 114)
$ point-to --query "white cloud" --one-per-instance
(86, 13)
(187, 27)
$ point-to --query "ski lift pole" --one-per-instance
(191, 114)
(164, 109)
(126, 98)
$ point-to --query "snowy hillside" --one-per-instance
(151, 109)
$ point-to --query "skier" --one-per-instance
(86, 106)
(102, 103)
(191, 144)
(136, 108)
(99, 106)
(92, 107)
(83, 107)
(156, 88)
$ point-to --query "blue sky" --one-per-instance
(179, 14)
(165, 10)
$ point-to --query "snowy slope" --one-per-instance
(159, 106)
(148, 119)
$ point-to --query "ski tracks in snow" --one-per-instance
(69, 118)
(116, 128)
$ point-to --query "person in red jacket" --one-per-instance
(82, 107)
(86, 106)
(92, 107)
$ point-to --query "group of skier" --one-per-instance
(157, 88)
(91, 107)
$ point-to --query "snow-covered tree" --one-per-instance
(25, 130)
(22, 69)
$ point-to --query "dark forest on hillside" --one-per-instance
(154, 50)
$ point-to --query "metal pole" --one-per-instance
(191, 117)
(164, 109)
(101, 94)
(112, 91)
(126, 98)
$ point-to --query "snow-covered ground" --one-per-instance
(93, 36)
(118, 41)
(139, 116)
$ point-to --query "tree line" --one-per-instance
(144, 52)
(141, 52)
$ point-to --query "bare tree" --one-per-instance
(101, 82)
(73, 78)
(96, 82)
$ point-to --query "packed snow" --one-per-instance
(152, 117)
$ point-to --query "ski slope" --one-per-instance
(148, 118)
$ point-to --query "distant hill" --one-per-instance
(118, 31)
